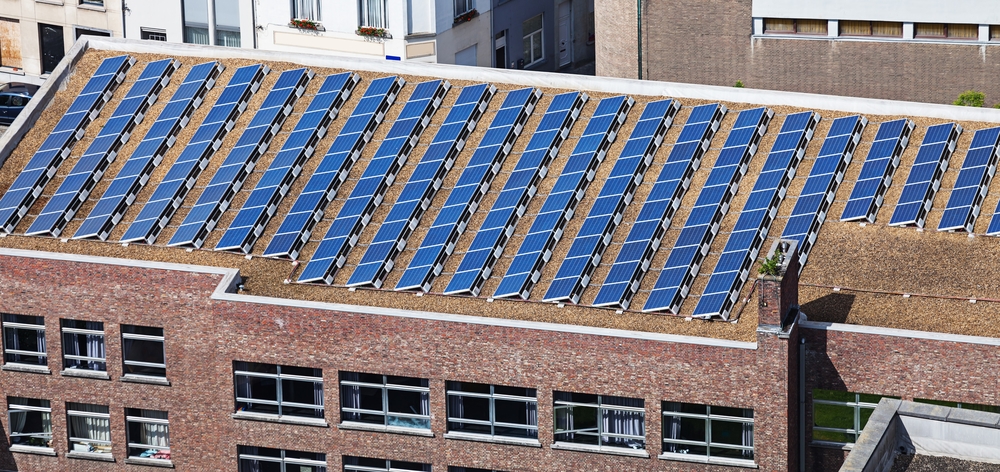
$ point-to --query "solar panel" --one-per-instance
(322, 186)
(616, 193)
(702, 224)
(925, 175)
(755, 219)
(547, 227)
(635, 255)
(147, 155)
(228, 179)
(876, 173)
(488, 245)
(820, 188)
(378, 176)
(477, 175)
(57, 146)
(169, 194)
(263, 201)
(973, 182)
(102, 151)
(416, 196)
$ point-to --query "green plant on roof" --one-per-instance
(996, 105)
(771, 265)
(739, 84)
(970, 98)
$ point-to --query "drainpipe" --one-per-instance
(638, 18)
(253, 15)
(802, 405)
(124, 9)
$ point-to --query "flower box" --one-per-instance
(467, 16)
(305, 24)
(372, 32)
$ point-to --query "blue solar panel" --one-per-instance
(657, 211)
(699, 229)
(28, 185)
(266, 122)
(322, 186)
(973, 182)
(492, 236)
(472, 184)
(925, 175)
(605, 215)
(416, 196)
(876, 173)
(366, 196)
(182, 174)
(755, 219)
(75, 189)
(575, 177)
(298, 147)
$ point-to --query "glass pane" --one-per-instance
(833, 436)
(521, 392)
(301, 371)
(691, 429)
(737, 412)
(404, 402)
(144, 330)
(255, 367)
(515, 412)
(779, 25)
(536, 44)
(531, 25)
(410, 381)
(731, 453)
(726, 432)
(833, 416)
(833, 395)
(469, 408)
(469, 387)
(470, 428)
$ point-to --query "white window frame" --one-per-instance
(288, 464)
(153, 34)
(385, 388)
(16, 325)
(89, 415)
(280, 402)
(532, 37)
(708, 417)
(300, 12)
(857, 405)
(75, 332)
(144, 420)
(146, 338)
(13, 408)
(370, 16)
(464, 6)
(601, 407)
(492, 397)
(389, 467)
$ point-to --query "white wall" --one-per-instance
(920, 11)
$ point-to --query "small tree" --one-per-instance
(739, 84)
(970, 98)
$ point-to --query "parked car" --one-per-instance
(13, 98)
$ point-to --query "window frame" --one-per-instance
(92, 3)
(857, 405)
(131, 418)
(871, 29)
(72, 413)
(946, 35)
(152, 34)
(708, 444)
(279, 379)
(468, 5)
(13, 353)
(795, 27)
(365, 14)
(389, 467)
(190, 28)
(144, 338)
(283, 461)
(530, 37)
(601, 407)
(80, 359)
(43, 410)
(315, 14)
(452, 391)
(385, 413)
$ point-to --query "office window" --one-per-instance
(372, 14)
(959, 405)
(148, 434)
(945, 31)
(532, 40)
(464, 6)
(30, 422)
(24, 340)
(83, 345)
(710, 431)
(142, 351)
(385, 400)
(887, 29)
(196, 21)
(280, 390)
(227, 23)
(265, 459)
(89, 428)
(795, 26)
(364, 464)
(492, 410)
(839, 417)
(600, 420)
(153, 34)
(306, 10)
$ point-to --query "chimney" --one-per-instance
(778, 305)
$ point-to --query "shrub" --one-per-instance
(970, 98)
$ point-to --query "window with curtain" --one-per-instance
(870, 28)
(531, 40)
(600, 420)
(464, 6)
(89, 428)
(957, 31)
(83, 345)
(24, 340)
(949, 31)
(365, 464)
(148, 434)
(30, 422)
(387, 400)
(779, 25)
(227, 23)
(143, 351)
(279, 390)
(372, 13)
(265, 459)
(839, 417)
(795, 26)
(492, 410)
(710, 431)
(195, 21)
(306, 10)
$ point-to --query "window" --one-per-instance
(196, 21)
(372, 13)
(364, 464)
(148, 434)
(305, 10)
(492, 410)
(153, 34)
(709, 431)
(994, 33)
(887, 29)
(600, 420)
(89, 428)
(839, 417)
(10, 43)
(83, 345)
(532, 40)
(142, 351)
(464, 6)
(96, 3)
(24, 340)
(227, 23)
(30, 422)
(963, 406)
(279, 390)
(385, 400)
(787, 26)
(943, 30)
(258, 459)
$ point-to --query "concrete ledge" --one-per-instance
(42, 451)
(145, 380)
(31, 369)
(378, 428)
(493, 439)
(974, 418)
(923, 410)
(90, 456)
(242, 415)
(150, 462)
(87, 374)
(618, 451)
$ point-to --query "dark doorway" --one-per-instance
(500, 49)
(53, 46)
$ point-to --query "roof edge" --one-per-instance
(900, 333)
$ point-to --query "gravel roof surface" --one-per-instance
(922, 463)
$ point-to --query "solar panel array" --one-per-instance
(521, 185)
(378, 176)
(756, 217)
(169, 194)
(474, 182)
(616, 193)
(820, 188)
(547, 227)
(87, 171)
(286, 166)
(702, 224)
(405, 214)
(966, 198)
(140, 164)
(636, 254)
(321, 188)
(876, 173)
(228, 179)
(925, 175)
(57, 146)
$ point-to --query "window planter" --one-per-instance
(464, 17)
(304, 24)
(372, 32)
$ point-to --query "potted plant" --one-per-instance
(466, 16)
(305, 24)
(372, 32)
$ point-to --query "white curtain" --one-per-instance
(318, 398)
(748, 439)
(306, 10)
(532, 412)
(98, 429)
(155, 434)
(227, 38)
(373, 13)
(425, 403)
(673, 431)
(623, 422)
(17, 420)
(351, 396)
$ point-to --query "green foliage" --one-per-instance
(996, 105)
(970, 98)
(772, 265)
(739, 84)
